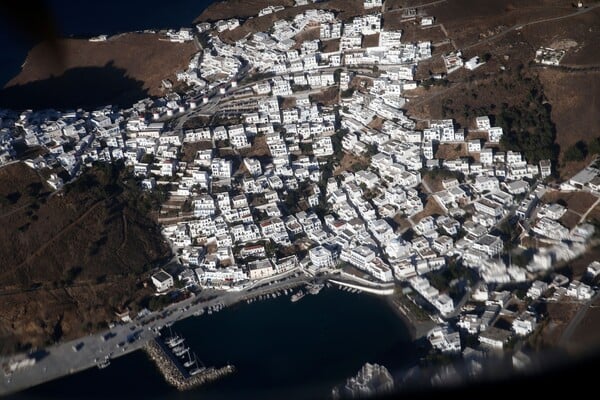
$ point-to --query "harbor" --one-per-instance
(100, 350)
(326, 336)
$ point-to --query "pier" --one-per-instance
(174, 372)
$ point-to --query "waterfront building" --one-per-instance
(162, 281)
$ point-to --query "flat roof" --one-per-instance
(162, 276)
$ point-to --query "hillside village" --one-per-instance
(281, 181)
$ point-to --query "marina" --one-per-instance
(317, 335)
(179, 366)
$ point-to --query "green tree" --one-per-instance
(594, 146)
(577, 152)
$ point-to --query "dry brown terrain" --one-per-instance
(450, 151)
(259, 148)
(69, 261)
(370, 40)
(559, 315)
(578, 267)
(189, 150)
(329, 46)
(376, 123)
(571, 90)
(432, 208)
(468, 20)
(435, 184)
(578, 202)
(578, 35)
(585, 337)
(575, 99)
(308, 34)
(570, 219)
(349, 161)
(123, 69)
(327, 97)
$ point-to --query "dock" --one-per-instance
(175, 373)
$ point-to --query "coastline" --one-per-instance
(62, 361)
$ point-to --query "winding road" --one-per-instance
(539, 21)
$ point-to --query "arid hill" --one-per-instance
(79, 73)
(70, 259)
(506, 35)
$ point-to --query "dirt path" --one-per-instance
(58, 235)
(540, 21)
(584, 216)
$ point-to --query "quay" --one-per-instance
(73, 356)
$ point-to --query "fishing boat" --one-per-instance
(315, 289)
(297, 296)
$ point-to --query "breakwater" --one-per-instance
(175, 375)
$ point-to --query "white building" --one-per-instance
(162, 281)
(524, 324)
(321, 257)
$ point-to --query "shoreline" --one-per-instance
(62, 361)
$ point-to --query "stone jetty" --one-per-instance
(174, 375)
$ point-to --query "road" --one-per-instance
(593, 206)
(540, 21)
(62, 359)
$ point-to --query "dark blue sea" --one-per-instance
(89, 18)
(282, 350)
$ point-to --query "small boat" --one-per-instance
(199, 312)
(189, 362)
(197, 370)
(175, 342)
(104, 363)
(181, 352)
(178, 348)
(297, 296)
(315, 289)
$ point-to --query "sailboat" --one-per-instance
(181, 351)
(198, 369)
(189, 362)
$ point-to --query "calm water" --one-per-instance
(74, 18)
(281, 350)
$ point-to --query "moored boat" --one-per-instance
(297, 296)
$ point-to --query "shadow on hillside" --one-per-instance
(78, 87)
